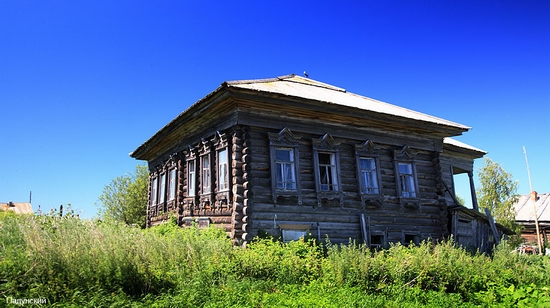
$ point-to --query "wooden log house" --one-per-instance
(293, 156)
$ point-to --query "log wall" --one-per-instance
(341, 222)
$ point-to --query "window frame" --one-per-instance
(221, 195)
(406, 156)
(192, 178)
(372, 173)
(285, 139)
(172, 184)
(290, 165)
(383, 235)
(162, 188)
(329, 171)
(369, 150)
(154, 190)
(223, 169)
(205, 174)
(407, 180)
(408, 233)
(327, 145)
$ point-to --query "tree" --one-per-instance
(498, 193)
(125, 198)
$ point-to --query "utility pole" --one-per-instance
(533, 198)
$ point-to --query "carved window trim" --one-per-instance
(172, 184)
(327, 145)
(205, 176)
(192, 175)
(283, 140)
(368, 150)
(171, 171)
(220, 143)
(162, 187)
(154, 189)
(406, 156)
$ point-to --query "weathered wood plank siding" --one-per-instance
(341, 223)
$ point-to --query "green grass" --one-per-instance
(83, 263)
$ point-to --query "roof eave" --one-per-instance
(140, 152)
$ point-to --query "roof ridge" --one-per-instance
(246, 81)
(310, 82)
(289, 78)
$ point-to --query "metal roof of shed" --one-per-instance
(17, 207)
(525, 211)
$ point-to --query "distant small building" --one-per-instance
(17, 207)
(525, 216)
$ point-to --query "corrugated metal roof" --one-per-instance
(17, 207)
(526, 212)
(297, 86)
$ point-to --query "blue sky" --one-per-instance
(82, 84)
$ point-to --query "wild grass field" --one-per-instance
(68, 262)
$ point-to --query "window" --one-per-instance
(406, 180)
(377, 241)
(172, 185)
(326, 168)
(405, 177)
(285, 166)
(223, 180)
(191, 180)
(411, 237)
(291, 232)
(205, 174)
(368, 176)
(328, 180)
(154, 191)
(285, 169)
(162, 192)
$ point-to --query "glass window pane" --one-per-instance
(222, 170)
(405, 168)
(369, 181)
(324, 158)
(162, 187)
(406, 177)
(205, 174)
(283, 155)
(154, 191)
(191, 178)
(285, 169)
(172, 187)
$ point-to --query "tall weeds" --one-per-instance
(89, 263)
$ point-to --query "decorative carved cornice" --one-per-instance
(204, 146)
(285, 136)
(325, 143)
(190, 152)
(405, 153)
(220, 140)
(367, 148)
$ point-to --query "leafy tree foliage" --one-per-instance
(498, 193)
(125, 198)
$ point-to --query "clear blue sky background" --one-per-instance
(84, 83)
